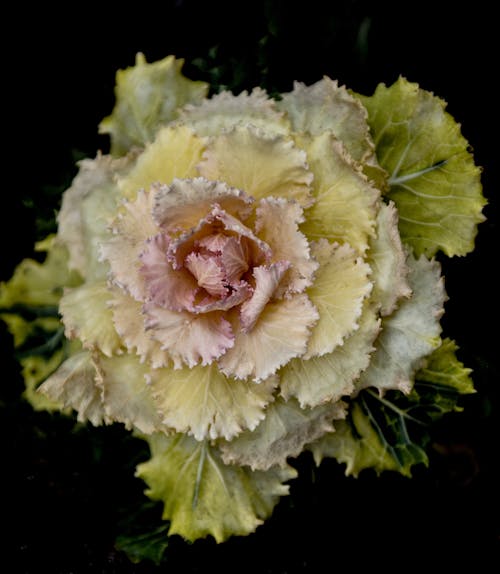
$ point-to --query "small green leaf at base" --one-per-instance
(203, 496)
(143, 536)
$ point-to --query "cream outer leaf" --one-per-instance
(86, 315)
(189, 338)
(87, 207)
(328, 378)
(341, 285)
(183, 203)
(74, 386)
(129, 321)
(126, 396)
(277, 224)
(326, 106)
(174, 153)
(387, 259)
(261, 351)
(345, 205)
(411, 333)
(202, 496)
(147, 97)
(260, 165)
(283, 433)
(224, 111)
(204, 403)
(132, 227)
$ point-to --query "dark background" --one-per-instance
(64, 487)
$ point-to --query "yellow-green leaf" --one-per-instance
(147, 97)
(203, 496)
(432, 176)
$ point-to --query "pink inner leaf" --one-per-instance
(167, 287)
(267, 279)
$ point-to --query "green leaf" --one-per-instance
(432, 176)
(202, 495)
(35, 286)
(28, 305)
(143, 535)
(147, 97)
(375, 435)
(440, 383)
(35, 370)
(445, 370)
(148, 545)
(391, 432)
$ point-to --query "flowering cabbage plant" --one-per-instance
(245, 278)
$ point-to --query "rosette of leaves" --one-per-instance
(245, 278)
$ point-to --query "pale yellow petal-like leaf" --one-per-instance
(128, 318)
(202, 496)
(224, 111)
(341, 285)
(189, 338)
(281, 333)
(411, 333)
(329, 377)
(126, 395)
(185, 202)
(277, 224)
(203, 402)
(86, 211)
(131, 229)
(86, 315)
(326, 106)
(74, 386)
(283, 433)
(260, 165)
(267, 279)
(388, 261)
(174, 153)
(345, 206)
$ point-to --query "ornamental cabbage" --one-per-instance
(245, 278)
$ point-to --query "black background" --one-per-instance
(63, 488)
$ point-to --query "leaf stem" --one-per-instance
(396, 180)
(394, 408)
(199, 473)
(48, 347)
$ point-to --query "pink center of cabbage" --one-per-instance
(214, 266)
